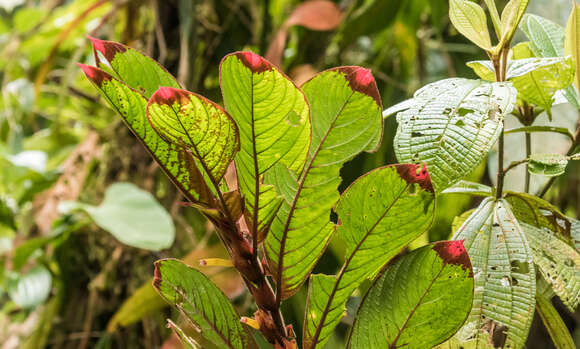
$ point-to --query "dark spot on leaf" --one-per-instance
(464, 111)
(416, 134)
(520, 267)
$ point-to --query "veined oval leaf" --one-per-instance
(202, 303)
(558, 262)
(452, 125)
(505, 279)
(346, 120)
(138, 71)
(371, 213)
(190, 120)
(510, 18)
(176, 161)
(273, 117)
(547, 40)
(418, 302)
(549, 165)
(470, 20)
(572, 39)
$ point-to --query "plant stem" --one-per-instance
(528, 153)
(500, 67)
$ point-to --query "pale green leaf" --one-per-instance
(471, 188)
(483, 69)
(558, 262)
(202, 303)
(370, 213)
(134, 217)
(554, 324)
(505, 280)
(469, 19)
(30, 289)
(418, 302)
(572, 39)
(190, 120)
(532, 129)
(549, 165)
(272, 115)
(452, 125)
(510, 18)
(346, 120)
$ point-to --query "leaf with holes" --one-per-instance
(346, 120)
(176, 162)
(451, 125)
(273, 117)
(203, 304)
(371, 213)
(418, 302)
(505, 279)
(558, 262)
(197, 124)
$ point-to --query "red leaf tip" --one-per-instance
(412, 174)
(453, 252)
(170, 95)
(361, 80)
(255, 62)
(108, 48)
(94, 74)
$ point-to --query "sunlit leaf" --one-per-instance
(418, 302)
(531, 129)
(572, 39)
(465, 187)
(346, 120)
(549, 165)
(272, 115)
(505, 279)
(510, 18)
(451, 126)
(470, 20)
(371, 213)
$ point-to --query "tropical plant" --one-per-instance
(265, 171)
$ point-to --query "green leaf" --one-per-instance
(138, 71)
(505, 280)
(190, 120)
(558, 262)
(510, 18)
(470, 20)
(471, 188)
(272, 115)
(547, 40)
(202, 303)
(483, 69)
(554, 324)
(549, 165)
(370, 214)
(133, 216)
(451, 126)
(30, 289)
(531, 129)
(346, 120)
(572, 39)
(418, 302)
(176, 161)
(187, 341)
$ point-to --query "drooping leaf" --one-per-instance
(547, 40)
(418, 302)
(451, 125)
(29, 289)
(558, 262)
(371, 213)
(176, 161)
(202, 303)
(510, 18)
(187, 119)
(554, 324)
(505, 280)
(272, 115)
(549, 165)
(572, 39)
(471, 188)
(346, 120)
(470, 20)
(133, 216)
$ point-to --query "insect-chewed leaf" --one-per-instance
(202, 303)
(371, 213)
(505, 279)
(135, 69)
(176, 162)
(418, 302)
(470, 20)
(451, 126)
(346, 120)
(558, 262)
(187, 119)
(547, 40)
(549, 165)
(273, 117)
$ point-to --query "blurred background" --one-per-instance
(75, 275)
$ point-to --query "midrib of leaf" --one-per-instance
(394, 344)
(344, 268)
(297, 196)
(256, 173)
